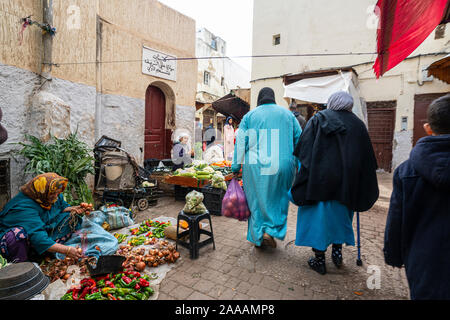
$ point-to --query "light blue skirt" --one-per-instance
(325, 223)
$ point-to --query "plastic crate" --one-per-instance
(213, 199)
(181, 192)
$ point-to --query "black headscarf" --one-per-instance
(266, 96)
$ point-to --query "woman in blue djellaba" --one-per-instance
(337, 177)
(264, 150)
(38, 221)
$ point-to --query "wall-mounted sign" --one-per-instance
(158, 64)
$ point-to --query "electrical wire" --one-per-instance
(207, 58)
(217, 57)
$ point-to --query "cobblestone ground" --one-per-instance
(238, 271)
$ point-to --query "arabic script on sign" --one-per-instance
(159, 64)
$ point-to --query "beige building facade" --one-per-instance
(97, 80)
(299, 27)
(217, 76)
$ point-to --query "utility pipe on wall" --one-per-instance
(47, 40)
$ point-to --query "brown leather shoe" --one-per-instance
(269, 241)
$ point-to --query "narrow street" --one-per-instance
(238, 271)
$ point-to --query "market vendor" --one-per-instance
(38, 220)
(214, 153)
(181, 152)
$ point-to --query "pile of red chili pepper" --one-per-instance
(128, 285)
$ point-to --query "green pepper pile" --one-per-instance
(120, 237)
(3, 262)
(154, 229)
(137, 241)
(129, 285)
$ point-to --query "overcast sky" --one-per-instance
(231, 20)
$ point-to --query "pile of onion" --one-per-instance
(137, 258)
(57, 269)
(235, 206)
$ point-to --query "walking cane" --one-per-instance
(358, 261)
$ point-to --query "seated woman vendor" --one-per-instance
(38, 220)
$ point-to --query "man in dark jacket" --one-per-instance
(301, 120)
(417, 233)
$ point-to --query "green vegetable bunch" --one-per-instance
(3, 262)
(69, 158)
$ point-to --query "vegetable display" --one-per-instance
(128, 285)
(218, 181)
(194, 203)
(222, 164)
(3, 262)
(202, 172)
(154, 229)
(120, 237)
(138, 258)
(57, 269)
(147, 184)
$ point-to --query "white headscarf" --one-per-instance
(340, 100)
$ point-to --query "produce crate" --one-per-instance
(186, 181)
(181, 192)
(213, 199)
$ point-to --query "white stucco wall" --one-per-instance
(21, 95)
(323, 26)
(235, 76)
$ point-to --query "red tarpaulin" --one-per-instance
(404, 25)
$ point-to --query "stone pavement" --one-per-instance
(238, 271)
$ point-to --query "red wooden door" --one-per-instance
(155, 118)
(381, 131)
(421, 104)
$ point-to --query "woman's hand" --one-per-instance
(75, 209)
(73, 253)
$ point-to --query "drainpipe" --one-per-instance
(47, 40)
(98, 71)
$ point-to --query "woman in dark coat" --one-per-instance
(337, 177)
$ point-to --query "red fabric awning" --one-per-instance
(404, 25)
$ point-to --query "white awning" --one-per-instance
(319, 89)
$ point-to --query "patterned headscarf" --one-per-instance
(340, 101)
(45, 189)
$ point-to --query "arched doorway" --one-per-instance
(155, 140)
